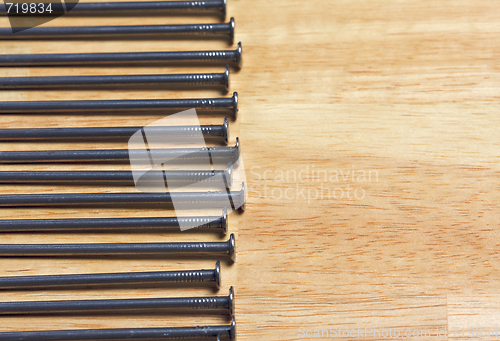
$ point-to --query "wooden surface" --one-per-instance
(402, 94)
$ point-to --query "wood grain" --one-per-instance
(401, 93)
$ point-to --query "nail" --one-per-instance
(160, 278)
(200, 178)
(114, 133)
(138, 82)
(165, 200)
(215, 333)
(214, 155)
(177, 304)
(121, 32)
(219, 223)
(210, 249)
(119, 106)
(232, 57)
(100, 9)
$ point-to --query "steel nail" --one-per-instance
(176, 81)
(219, 223)
(195, 178)
(121, 106)
(177, 304)
(158, 278)
(133, 8)
(214, 155)
(113, 133)
(214, 333)
(208, 249)
(164, 200)
(121, 32)
(232, 57)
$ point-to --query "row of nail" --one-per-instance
(222, 161)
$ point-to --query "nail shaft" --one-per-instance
(219, 57)
(134, 8)
(176, 304)
(217, 223)
(210, 249)
(165, 200)
(213, 333)
(179, 81)
(121, 32)
(114, 133)
(118, 178)
(120, 106)
(160, 278)
(215, 155)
